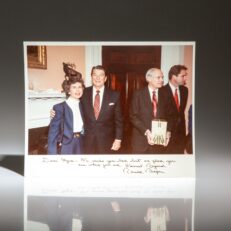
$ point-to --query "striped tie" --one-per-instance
(97, 104)
(154, 103)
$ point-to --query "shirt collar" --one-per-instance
(72, 101)
(173, 87)
(101, 90)
(151, 90)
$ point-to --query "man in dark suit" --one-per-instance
(175, 99)
(147, 105)
(103, 122)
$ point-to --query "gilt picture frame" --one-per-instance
(37, 57)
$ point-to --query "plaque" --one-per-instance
(159, 131)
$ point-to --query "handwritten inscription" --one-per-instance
(133, 166)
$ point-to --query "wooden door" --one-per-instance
(126, 67)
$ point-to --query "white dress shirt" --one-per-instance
(77, 118)
(151, 93)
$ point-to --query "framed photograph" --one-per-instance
(37, 57)
(125, 82)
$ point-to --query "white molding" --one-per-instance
(171, 55)
(46, 95)
(93, 57)
(39, 110)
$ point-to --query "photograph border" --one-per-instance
(36, 166)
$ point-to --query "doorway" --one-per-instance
(126, 67)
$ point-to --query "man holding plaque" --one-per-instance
(149, 133)
(175, 96)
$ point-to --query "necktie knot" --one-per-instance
(97, 92)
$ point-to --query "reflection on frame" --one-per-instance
(78, 214)
(37, 57)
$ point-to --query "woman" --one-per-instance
(66, 128)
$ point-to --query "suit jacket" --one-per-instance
(141, 115)
(61, 126)
(190, 120)
(101, 133)
(176, 118)
(188, 145)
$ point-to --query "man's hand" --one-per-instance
(52, 113)
(168, 136)
(116, 145)
(148, 216)
(149, 136)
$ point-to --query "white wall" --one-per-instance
(171, 55)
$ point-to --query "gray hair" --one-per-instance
(150, 73)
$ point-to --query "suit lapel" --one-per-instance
(68, 114)
(89, 99)
(81, 109)
(147, 100)
(172, 97)
(104, 102)
(181, 98)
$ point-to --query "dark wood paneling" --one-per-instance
(126, 67)
(38, 140)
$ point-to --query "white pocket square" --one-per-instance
(110, 104)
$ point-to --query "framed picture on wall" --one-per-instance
(37, 57)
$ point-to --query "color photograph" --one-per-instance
(109, 99)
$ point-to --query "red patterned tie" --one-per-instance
(176, 99)
(97, 104)
(154, 103)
